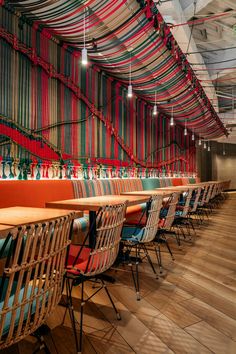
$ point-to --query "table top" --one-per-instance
(173, 189)
(16, 216)
(94, 203)
(148, 193)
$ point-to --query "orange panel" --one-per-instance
(34, 193)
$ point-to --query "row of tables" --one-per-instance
(16, 216)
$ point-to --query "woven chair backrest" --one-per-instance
(203, 195)
(31, 283)
(196, 199)
(187, 197)
(171, 205)
(110, 221)
(209, 193)
(150, 230)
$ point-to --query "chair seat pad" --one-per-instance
(132, 233)
(27, 307)
(82, 266)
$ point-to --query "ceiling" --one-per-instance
(130, 41)
(212, 37)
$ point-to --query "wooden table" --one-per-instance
(93, 204)
(149, 193)
(177, 189)
(16, 216)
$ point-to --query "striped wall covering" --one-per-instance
(82, 114)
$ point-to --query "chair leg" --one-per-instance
(170, 252)
(149, 260)
(81, 318)
(111, 300)
(135, 274)
(158, 255)
(192, 226)
(42, 343)
(72, 316)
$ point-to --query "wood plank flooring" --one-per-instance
(190, 309)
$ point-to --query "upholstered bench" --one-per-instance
(36, 193)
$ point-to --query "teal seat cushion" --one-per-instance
(132, 234)
(7, 321)
(4, 252)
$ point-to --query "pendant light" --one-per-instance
(223, 149)
(204, 145)
(155, 105)
(185, 129)
(200, 142)
(172, 118)
(84, 50)
(130, 89)
(193, 136)
(209, 146)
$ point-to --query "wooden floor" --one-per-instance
(190, 309)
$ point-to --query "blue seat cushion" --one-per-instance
(7, 321)
(132, 233)
(4, 253)
(163, 213)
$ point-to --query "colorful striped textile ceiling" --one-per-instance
(129, 35)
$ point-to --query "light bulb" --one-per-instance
(199, 142)
(172, 121)
(209, 148)
(193, 137)
(205, 145)
(185, 131)
(155, 110)
(84, 56)
(130, 91)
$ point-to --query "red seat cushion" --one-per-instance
(81, 262)
(81, 265)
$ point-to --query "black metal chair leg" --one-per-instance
(137, 274)
(72, 315)
(170, 252)
(149, 260)
(81, 318)
(158, 255)
(111, 300)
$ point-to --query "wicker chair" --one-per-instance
(182, 217)
(32, 279)
(137, 236)
(85, 263)
(165, 227)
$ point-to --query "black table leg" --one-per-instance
(92, 225)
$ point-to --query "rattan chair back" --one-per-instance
(31, 283)
(150, 229)
(109, 221)
(171, 205)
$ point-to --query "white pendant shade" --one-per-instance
(130, 91)
(84, 56)
(199, 142)
(185, 131)
(155, 110)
